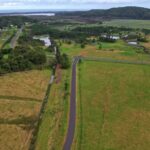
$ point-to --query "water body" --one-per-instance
(28, 14)
(115, 37)
(112, 37)
(132, 43)
(36, 14)
(5, 11)
(44, 38)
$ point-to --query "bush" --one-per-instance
(82, 45)
(100, 46)
(22, 58)
(37, 57)
(64, 61)
(6, 51)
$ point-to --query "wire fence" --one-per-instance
(114, 60)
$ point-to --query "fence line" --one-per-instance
(115, 61)
(38, 123)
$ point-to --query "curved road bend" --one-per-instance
(72, 114)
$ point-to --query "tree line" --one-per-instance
(20, 59)
(7, 21)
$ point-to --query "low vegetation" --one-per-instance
(53, 127)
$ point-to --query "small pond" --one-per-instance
(114, 37)
(132, 43)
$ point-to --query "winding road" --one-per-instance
(72, 113)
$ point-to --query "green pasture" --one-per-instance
(141, 24)
(113, 107)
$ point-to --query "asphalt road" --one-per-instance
(16, 37)
(72, 113)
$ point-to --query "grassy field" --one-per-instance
(21, 96)
(128, 23)
(118, 50)
(113, 107)
(141, 24)
(54, 123)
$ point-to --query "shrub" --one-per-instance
(64, 61)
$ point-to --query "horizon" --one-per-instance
(6, 5)
(34, 10)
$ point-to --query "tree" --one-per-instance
(6, 67)
(100, 46)
(14, 65)
(82, 45)
(64, 61)
(1, 55)
(37, 57)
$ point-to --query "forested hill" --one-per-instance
(117, 13)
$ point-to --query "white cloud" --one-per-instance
(66, 1)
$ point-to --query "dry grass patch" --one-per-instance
(14, 137)
(21, 96)
(30, 84)
(10, 110)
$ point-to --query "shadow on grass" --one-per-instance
(20, 120)
(17, 98)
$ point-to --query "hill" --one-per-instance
(113, 13)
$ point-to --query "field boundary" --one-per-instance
(17, 98)
(39, 120)
(19, 121)
(79, 146)
(114, 60)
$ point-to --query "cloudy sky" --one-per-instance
(70, 4)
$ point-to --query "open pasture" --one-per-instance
(113, 107)
(119, 50)
(128, 23)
